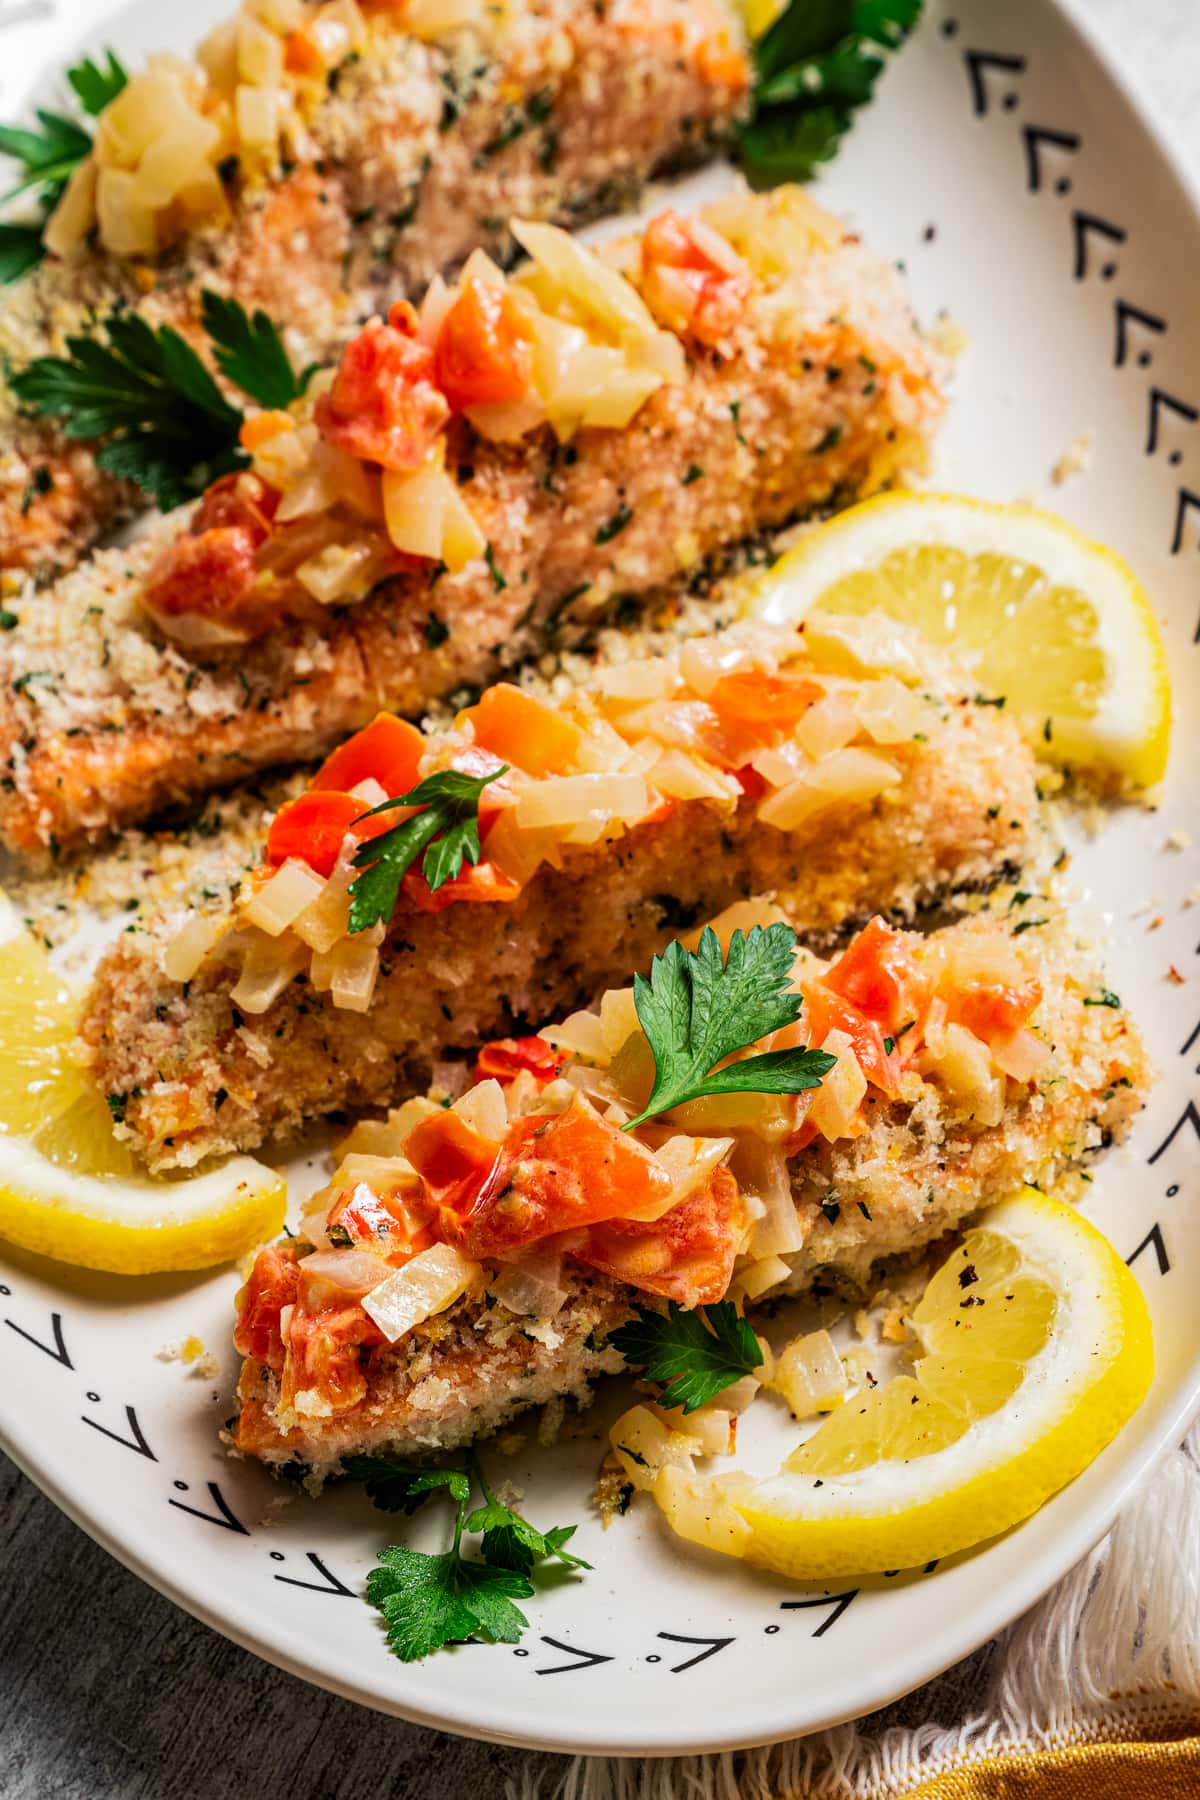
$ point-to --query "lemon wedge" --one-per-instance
(1035, 1350)
(1036, 612)
(68, 1188)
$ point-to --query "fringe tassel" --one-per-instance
(1114, 1650)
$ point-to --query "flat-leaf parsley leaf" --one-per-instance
(697, 1354)
(444, 835)
(696, 1009)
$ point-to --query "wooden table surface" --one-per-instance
(109, 1692)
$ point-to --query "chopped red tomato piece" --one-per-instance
(525, 731)
(273, 1283)
(314, 825)
(385, 1219)
(323, 1348)
(505, 1058)
(996, 1010)
(457, 1164)
(826, 1011)
(481, 882)
(687, 1255)
(753, 697)
(388, 750)
(556, 1173)
(383, 405)
(210, 569)
(879, 974)
(692, 278)
(484, 350)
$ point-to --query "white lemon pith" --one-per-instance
(1036, 611)
(1036, 1349)
(68, 1188)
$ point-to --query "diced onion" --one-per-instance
(343, 572)
(354, 1271)
(684, 777)
(127, 228)
(828, 725)
(689, 1161)
(282, 898)
(592, 286)
(259, 52)
(532, 1287)
(581, 1034)
(760, 1276)
(283, 16)
(257, 113)
(711, 1427)
(349, 970)
(618, 1018)
(963, 1064)
(847, 775)
(889, 712)
(521, 852)
(75, 213)
(585, 804)
(742, 916)
(701, 1509)
(327, 919)
(1020, 1054)
(425, 1286)
(269, 966)
(835, 1103)
(387, 1137)
(188, 947)
(653, 679)
(433, 19)
(426, 516)
(762, 1171)
(810, 1376)
(644, 1445)
(484, 1109)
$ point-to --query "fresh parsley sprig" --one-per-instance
(697, 1354)
(428, 1600)
(444, 836)
(49, 155)
(169, 427)
(697, 1008)
(815, 66)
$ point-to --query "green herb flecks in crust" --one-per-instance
(48, 155)
(696, 1009)
(696, 1354)
(428, 1600)
(816, 65)
(169, 427)
(443, 836)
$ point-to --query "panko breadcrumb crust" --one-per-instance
(823, 390)
(916, 1173)
(411, 162)
(190, 1077)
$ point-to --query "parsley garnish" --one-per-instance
(49, 156)
(615, 525)
(1105, 997)
(444, 836)
(170, 428)
(696, 1009)
(697, 1354)
(431, 1600)
(819, 61)
(249, 351)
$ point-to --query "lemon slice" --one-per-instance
(1035, 611)
(1036, 1349)
(68, 1188)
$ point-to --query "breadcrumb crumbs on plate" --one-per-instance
(1178, 839)
(1075, 459)
(947, 336)
(195, 1355)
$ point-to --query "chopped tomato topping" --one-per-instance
(525, 731)
(323, 1348)
(996, 1010)
(753, 697)
(457, 1164)
(302, 54)
(692, 279)
(385, 1219)
(210, 569)
(481, 882)
(261, 427)
(484, 349)
(721, 62)
(687, 1255)
(879, 974)
(383, 405)
(273, 1283)
(554, 1173)
(388, 750)
(825, 1011)
(505, 1058)
(314, 825)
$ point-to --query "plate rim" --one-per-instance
(905, 1670)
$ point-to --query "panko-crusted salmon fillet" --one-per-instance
(467, 1264)
(316, 157)
(745, 762)
(522, 448)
